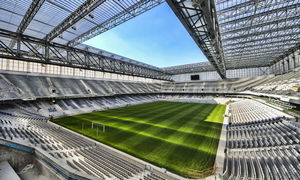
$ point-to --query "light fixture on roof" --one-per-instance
(91, 16)
(60, 36)
(74, 27)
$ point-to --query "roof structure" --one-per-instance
(254, 33)
(190, 68)
(200, 20)
(69, 23)
(64, 22)
(232, 34)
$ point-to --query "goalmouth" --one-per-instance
(96, 125)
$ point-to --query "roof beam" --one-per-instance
(237, 11)
(267, 55)
(87, 7)
(268, 31)
(129, 13)
(259, 40)
(234, 6)
(189, 68)
(76, 58)
(261, 14)
(247, 61)
(200, 20)
(247, 65)
(27, 18)
(261, 46)
(262, 24)
(275, 49)
(287, 53)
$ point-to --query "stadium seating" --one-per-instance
(26, 86)
(249, 112)
(262, 143)
(67, 148)
(287, 84)
(272, 133)
(263, 163)
(22, 86)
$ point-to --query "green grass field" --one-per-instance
(181, 137)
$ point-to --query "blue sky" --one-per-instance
(156, 37)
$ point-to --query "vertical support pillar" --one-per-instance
(292, 61)
(18, 46)
(86, 60)
(47, 52)
(283, 67)
(68, 57)
(287, 64)
(297, 58)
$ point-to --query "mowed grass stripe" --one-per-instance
(156, 131)
(158, 112)
(114, 118)
(144, 109)
(204, 146)
(145, 112)
(161, 124)
(108, 120)
(115, 121)
(177, 136)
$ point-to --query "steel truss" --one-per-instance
(82, 11)
(206, 67)
(190, 68)
(63, 55)
(287, 53)
(255, 32)
(199, 18)
(128, 13)
(76, 20)
(87, 8)
(32, 10)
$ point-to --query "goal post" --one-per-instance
(97, 125)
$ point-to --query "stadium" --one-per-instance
(69, 110)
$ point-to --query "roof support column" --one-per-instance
(287, 64)
(46, 49)
(297, 58)
(18, 46)
(278, 68)
(292, 61)
(283, 67)
(273, 68)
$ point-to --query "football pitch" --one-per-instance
(181, 137)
